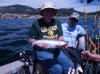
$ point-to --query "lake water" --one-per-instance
(13, 34)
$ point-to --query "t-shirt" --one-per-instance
(40, 29)
(71, 34)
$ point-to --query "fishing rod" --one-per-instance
(98, 46)
(87, 37)
(94, 51)
(98, 35)
(86, 25)
(93, 26)
(95, 22)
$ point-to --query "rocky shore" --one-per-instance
(7, 15)
(18, 16)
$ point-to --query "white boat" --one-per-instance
(11, 68)
(17, 67)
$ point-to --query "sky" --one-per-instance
(91, 7)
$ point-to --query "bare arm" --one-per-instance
(96, 57)
(92, 44)
(92, 57)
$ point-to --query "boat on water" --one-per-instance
(22, 65)
(26, 65)
(11, 68)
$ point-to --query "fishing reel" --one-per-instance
(25, 58)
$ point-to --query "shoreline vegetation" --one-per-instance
(9, 15)
(22, 11)
(25, 16)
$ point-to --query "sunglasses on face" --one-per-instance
(73, 19)
(49, 10)
(48, 13)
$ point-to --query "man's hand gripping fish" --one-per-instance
(50, 43)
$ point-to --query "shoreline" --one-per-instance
(30, 16)
(25, 16)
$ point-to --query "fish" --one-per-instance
(50, 43)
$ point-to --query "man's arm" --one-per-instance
(96, 57)
(91, 57)
(92, 43)
(81, 43)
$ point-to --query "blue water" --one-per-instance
(13, 33)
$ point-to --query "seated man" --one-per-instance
(49, 28)
(72, 32)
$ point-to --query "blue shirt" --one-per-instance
(70, 34)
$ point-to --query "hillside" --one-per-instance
(21, 9)
(18, 9)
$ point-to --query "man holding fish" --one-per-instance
(52, 59)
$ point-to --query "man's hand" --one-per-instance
(65, 46)
(60, 38)
(31, 40)
(86, 55)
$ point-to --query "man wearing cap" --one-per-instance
(71, 33)
(49, 28)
